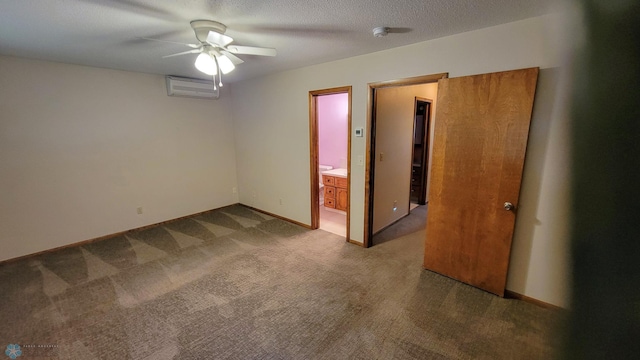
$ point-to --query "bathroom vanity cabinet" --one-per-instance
(335, 192)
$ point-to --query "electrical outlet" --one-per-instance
(280, 201)
(139, 210)
(234, 190)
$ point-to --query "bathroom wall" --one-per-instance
(332, 129)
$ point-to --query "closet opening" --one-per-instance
(420, 152)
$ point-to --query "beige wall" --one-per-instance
(271, 125)
(394, 140)
(81, 148)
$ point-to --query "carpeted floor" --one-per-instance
(237, 284)
(414, 222)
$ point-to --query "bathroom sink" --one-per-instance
(336, 172)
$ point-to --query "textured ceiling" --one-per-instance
(105, 33)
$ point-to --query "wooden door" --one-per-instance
(481, 131)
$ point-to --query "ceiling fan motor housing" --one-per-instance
(202, 28)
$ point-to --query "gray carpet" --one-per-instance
(236, 284)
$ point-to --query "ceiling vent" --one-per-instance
(187, 87)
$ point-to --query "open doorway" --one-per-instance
(420, 156)
(330, 142)
(391, 150)
(478, 145)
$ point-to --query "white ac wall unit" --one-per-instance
(187, 87)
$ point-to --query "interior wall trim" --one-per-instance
(514, 295)
(306, 226)
(104, 237)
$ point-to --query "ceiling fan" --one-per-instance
(216, 54)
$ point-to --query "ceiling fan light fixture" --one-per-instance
(206, 64)
(215, 57)
(226, 66)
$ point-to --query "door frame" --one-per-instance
(371, 143)
(314, 154)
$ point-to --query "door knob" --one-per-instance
(508, 206)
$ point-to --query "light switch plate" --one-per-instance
(359, 132)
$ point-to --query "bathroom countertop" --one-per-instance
(336, 172)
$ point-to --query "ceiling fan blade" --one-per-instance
(194, 51)
(217, 39)
(251, 50)
(130, 6)
(234, 59)
(170, 42)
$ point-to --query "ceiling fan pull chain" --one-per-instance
(215, 58)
